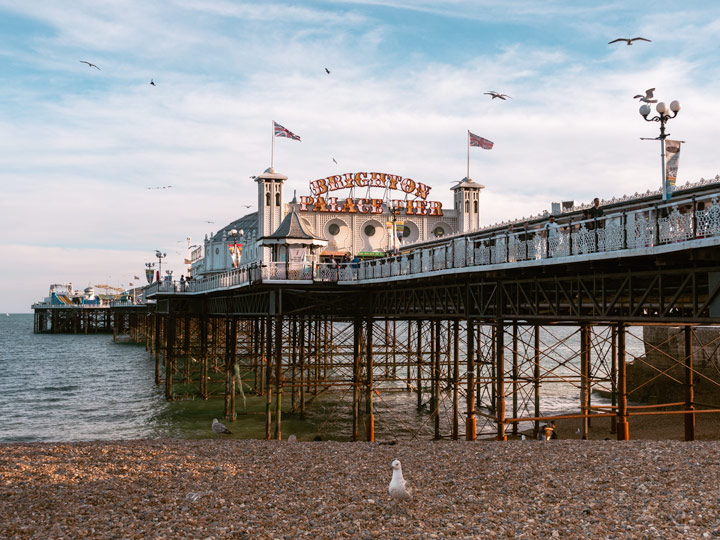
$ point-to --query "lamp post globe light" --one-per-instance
(664, 114)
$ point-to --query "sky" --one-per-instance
(80, 146)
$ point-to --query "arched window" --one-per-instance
(475, 206)
(467, 206)
(267, 199)
(277, 199)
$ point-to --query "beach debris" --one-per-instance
(218, 427)
(523, 437)
(398, 489)
(292, 439)
(193, 496)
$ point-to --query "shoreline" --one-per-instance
(229, 488)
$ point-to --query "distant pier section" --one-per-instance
(68, 311)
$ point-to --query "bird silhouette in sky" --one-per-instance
(335, 162)
(327, 71)
(89, 64)
(206, 221)
(152, 82)
(496, 95)
(647, 98)
(629, 40)
(160, 187)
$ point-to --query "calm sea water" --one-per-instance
(64, 387)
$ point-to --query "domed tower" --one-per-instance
(467, 204)
(271, 207)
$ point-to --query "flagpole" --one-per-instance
(468, 156)
(272, 144)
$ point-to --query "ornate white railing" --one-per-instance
(641, 228)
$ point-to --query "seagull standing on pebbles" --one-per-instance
(217, 427)
(397, 488)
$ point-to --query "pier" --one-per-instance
(466, 323)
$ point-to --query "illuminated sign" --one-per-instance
(319, 202)
(373, 179)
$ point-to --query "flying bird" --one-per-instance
(335, 162)
(89, 64)
(209, 221)
(496, 95)
(152, 82)
(647, 98)
(217, 427)
(628, 40)
(397, 488)
(327, 71)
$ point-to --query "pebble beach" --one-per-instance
(215, 488)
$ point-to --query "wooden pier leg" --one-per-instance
(230, 350)
(623, 429)
(169, 356)
(500, 378)
(278, 376)
(369, 383)
(536, 378)
(268, 376)
(262, 361)
(293, 361)
(515, 375)
(357, 352)
(585, 378)
(436, 379)
(394, 349)
(471, 420)
(303, 328)
(408, 371)
(456, 380)
(419, 356)
(158, 322)
(689, 390)
(204, 357)
(613, 377)
(494, 369)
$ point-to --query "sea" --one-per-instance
(72, 388)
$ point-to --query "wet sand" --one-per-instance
(217, 488)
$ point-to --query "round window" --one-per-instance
(334, 229)
(369, 230)
(438, 232)
(405, 232)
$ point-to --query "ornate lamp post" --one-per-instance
(663, 117)
(160, 256)
(394, 210)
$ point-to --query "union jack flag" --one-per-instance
(479, 141)
(284, 132)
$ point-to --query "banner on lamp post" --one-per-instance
(235, 254)
(149, 275)
(672, 157)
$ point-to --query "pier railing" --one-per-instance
(636, 229)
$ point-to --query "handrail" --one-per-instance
(639, 228)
